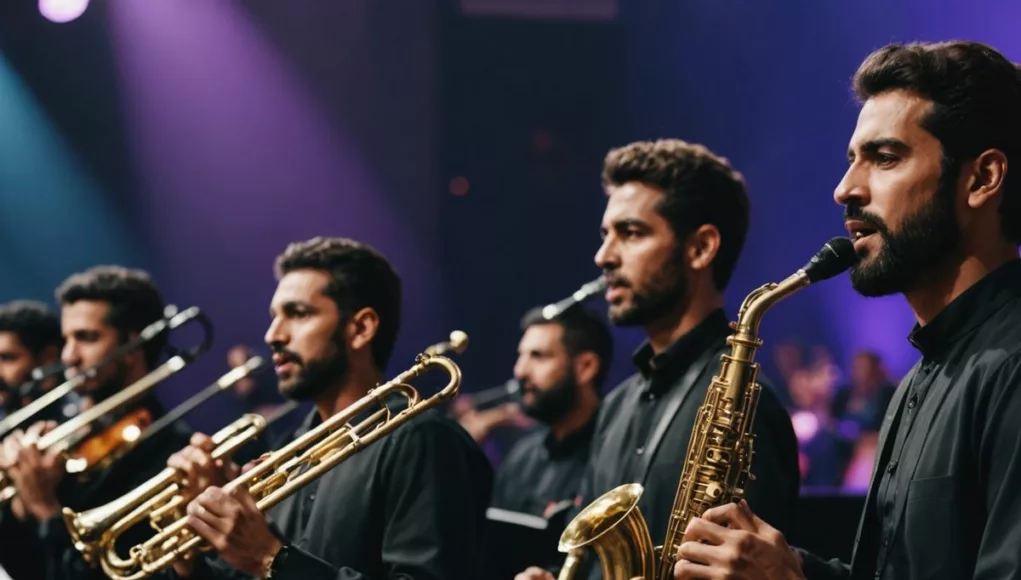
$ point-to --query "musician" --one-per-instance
(935, 218)
(411, 505)
(675, 222)
(561, 366)
(29, 338)
(101, 309)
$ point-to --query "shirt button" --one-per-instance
(640, 450)
(912, 401)
(892, 466)
(886, 542)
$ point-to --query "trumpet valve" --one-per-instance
(167, 513)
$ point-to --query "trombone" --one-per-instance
(72, 437)
(278, 476)
(171, 319)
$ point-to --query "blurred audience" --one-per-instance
(837, 423)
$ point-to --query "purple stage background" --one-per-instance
(214, 133)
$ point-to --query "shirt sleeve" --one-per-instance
(19, 546)
(62, 560)
(1000, 475)
(816, 568)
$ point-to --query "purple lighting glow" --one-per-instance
(62, 10)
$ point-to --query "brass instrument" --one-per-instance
(171, 319)
(75, 432)
(276, 477)
(717, 467)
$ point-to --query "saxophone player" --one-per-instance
(409, 506)
(673, 229)
(935, 218)
(101, 309)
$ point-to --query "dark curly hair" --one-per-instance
(134, 301)
(699, 188)
(976, 104)
(360, 277)
(35, 324)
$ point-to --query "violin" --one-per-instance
(110, 443)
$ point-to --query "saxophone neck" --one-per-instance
(763, 298)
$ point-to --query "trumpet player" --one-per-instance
(29, 338)
(936, 217)
(673, 229)
(100, 309)
(409, 506)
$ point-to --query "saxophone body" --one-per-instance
(717, 465)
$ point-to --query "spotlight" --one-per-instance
(62, 10)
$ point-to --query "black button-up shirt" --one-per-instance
(621, 452)
(943, 502)
(541, 473)
(411, 505)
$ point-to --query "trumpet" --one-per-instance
(278, 476)
(71, 438)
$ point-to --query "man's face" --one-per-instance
(640, 256)
(544, 370)
(16, 364)
(306, 335)
(88, 339)
(899, 207)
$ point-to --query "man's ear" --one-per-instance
(701, 247)
(985, 176)
(586, 367)
(362, 328)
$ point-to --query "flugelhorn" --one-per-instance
(71, 434)
(281, 473)
(717, 466)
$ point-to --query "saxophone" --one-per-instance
(717, 466)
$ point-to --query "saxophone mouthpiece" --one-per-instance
(834, 258)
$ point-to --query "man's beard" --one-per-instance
(923, 242)
(664, 291)
(552, 404)
(111, 384)
(314, 377)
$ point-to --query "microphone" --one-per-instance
(492, 394)
(588, 290)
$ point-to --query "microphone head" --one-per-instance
(834, 258)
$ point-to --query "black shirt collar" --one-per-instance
(969, 310)
(573, 442)
(685, 349)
